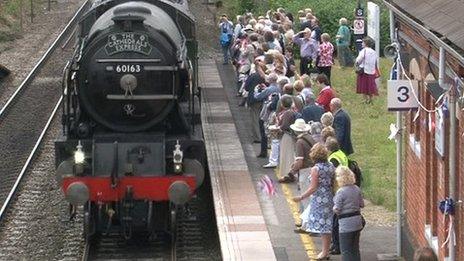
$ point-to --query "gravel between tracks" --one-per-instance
(23, 122)
(37, 225)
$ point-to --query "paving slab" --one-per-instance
(242, 231)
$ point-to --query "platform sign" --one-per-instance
(400, 95)
(359, 12)
(358, 26)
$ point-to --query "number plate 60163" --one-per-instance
(128, 68)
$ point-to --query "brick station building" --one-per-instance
(424, 27)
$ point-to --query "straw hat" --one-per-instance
(248, 27)
(300, 126)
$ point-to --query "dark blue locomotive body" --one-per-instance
(131, 150)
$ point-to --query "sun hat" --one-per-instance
(300, 126)
(259, 27)
(248, 27)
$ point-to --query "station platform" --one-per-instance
(251, 224)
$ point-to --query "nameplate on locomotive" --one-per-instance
(127, 42)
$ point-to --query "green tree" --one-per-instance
(328, 12)
(246, 5)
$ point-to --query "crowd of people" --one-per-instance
(296, 113)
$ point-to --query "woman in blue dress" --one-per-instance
(317, 217)
(343, 44)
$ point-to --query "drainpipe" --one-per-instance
(399, 147)
(392, 26)
(452, 146)
(399, 172)
(441, 68)
(452, 165)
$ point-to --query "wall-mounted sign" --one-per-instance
(400, 95)
(358, 26)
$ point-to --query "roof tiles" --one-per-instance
(442, 16)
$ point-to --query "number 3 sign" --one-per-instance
(400, 96)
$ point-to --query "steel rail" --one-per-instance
(23, 85)
(44, 58)
(29, 159)
(85, 255)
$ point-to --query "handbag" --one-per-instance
(358, 69)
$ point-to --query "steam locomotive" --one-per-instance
(131, 150)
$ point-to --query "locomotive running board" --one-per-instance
(141, 97)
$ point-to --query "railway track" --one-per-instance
(26, 155)
(196, 238)
(34, 103)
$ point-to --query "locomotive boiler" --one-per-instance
(131, 148)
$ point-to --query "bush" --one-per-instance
(9, 25)
(328, 12)
(246, 5)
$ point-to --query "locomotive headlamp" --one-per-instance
(79, 155)
(177, 167)
(177, 158)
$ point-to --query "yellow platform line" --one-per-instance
(308, 243)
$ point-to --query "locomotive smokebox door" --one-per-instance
(137, 155)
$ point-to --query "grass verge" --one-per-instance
(370, 129)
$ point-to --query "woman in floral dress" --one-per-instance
(325, 61)
(317, 217)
